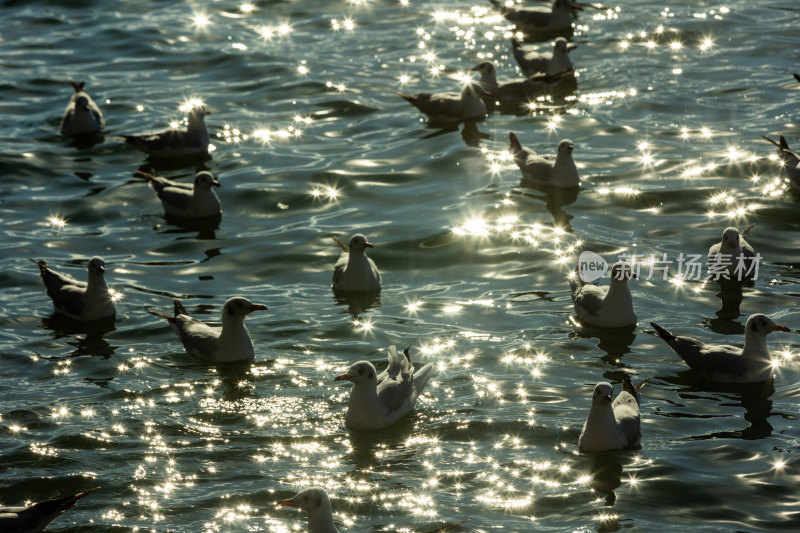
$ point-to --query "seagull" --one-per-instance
(532, 62)
(723, 363)
(514, 92)
(789, 160)
(183, 200)
(86, 301)
(315, 502)
(374, 405)
(540, 19)
(735, 252)
(449, 108)
(229, 344)
(354, 271)
(538, 171)
(35, 518)
(605, 307)
(82, 116)
(174, 142)
(613, 426)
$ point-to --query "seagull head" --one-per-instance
(602, 393)
(730, 237)
(82, 103)
(358, 373)
(205, 180)
(565, 148)
(239, 307)
(759, 324)
(96, 265)
(359, 243)
(312, 500)
(487, 71)
(560, 46)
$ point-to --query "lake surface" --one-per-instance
(312, 140)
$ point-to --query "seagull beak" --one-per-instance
(258, 307)
(343, 377)
(286, 503)
(607, 398)
(368, 245)
(102, 269)
(782, 328)
(215, 183)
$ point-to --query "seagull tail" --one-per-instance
(513, 142)
(77, 85)
(178, 307)
(149, 176)
(57, 506)
(663, 333)
(162, 315)
(796, 76)
(496, 4)
(420, 379)
(784, 145)
(341, 244)
(776, 143)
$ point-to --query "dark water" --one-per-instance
(472, 264)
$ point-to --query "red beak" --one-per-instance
(258, 307)
(782, 328)
(343, 377)
(286, 503)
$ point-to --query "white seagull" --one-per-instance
(86, 301)
(35, 517)
(540, 171)
(82, 116)
(789, 160)
(174, 142)
(613, 426)
(532, 62)
(605, 307)
(557, 18)
(734, 252)
(354, 271)
(514, 92)
(448, 109)
(723, 363)
(374, 405)
(185, 200)
(315, 502)
(229, 344)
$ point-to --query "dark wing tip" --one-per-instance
(663, 333)
(796, 76)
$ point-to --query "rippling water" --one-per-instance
(312, 140)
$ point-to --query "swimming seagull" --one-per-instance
(613, 426)
(539, 171)
(374, 405)
(315, 502)
(558, 17)
(729, 364)
(728, 252)
(789, 160)
(35, 518)
(173, 142)
(354, 271)
(532, 62)
(514, 92)
(87, 301)
(448, 109)
(228, 344)
(197, 200)
(82, 116)
(605, 307)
